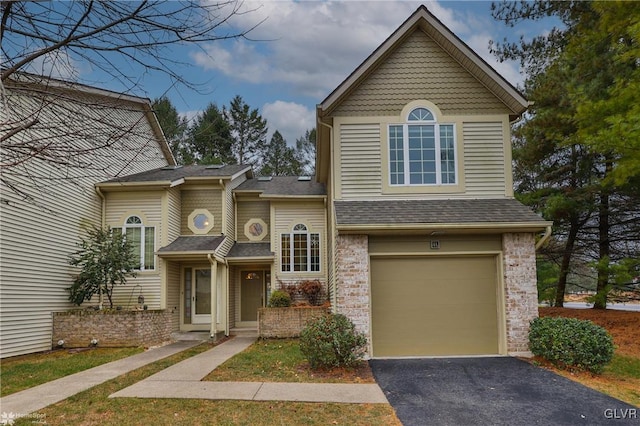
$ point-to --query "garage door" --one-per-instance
(434, 306)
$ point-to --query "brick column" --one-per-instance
(521, 293)
(352, 280)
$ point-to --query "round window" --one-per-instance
(201, 221)
(255, 229)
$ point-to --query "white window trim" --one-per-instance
(308, 232)
(405, 151)
(142, 228)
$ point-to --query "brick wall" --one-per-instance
(521, 294)
(286, 322)
(352, 280)
(111, 328)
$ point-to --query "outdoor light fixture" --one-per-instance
(94, 342)
(141, 300)
(60, 343)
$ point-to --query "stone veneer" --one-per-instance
(352, 280)
(286, 322)
(521, 293)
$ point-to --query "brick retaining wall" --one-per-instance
(111, 328)
(286, 322)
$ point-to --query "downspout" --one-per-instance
(103, 220)
(544, 238)
(214, 295)
(334, 296)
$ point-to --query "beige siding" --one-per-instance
(40, 230)
(174, 215)
(360, 167)
(230, 207)
(210, 199)
(484, 159)
(420, 69)
(288, 214)
(147, 205)
(252, 210)
(173, 293)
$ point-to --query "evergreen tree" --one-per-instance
(306, 152)
(279, 159)
(173, 126)
(248, 129)
(210, 140)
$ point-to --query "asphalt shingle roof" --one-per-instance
(433, 211)
(284, 185)
(250, 250)
(203, 243)
(171, 174)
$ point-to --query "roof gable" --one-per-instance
(423, 20)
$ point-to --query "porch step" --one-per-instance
(190, 335)
(244, 331)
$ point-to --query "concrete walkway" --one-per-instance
(184, 380)
(38, 397)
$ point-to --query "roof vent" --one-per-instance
(264, 178)
(171, 167)
(214, 166)
(304, 178)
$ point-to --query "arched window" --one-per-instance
(142, 239)
(300, 250)
(422, 151)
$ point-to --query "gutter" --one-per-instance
(103, 209)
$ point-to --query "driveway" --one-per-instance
(492, 391)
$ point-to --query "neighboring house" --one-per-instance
(432, 254)
(411, 222)
(48, 201)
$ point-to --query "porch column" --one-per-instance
(214, 295)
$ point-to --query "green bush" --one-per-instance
(279, 299)
(332, 341)
(571, 343)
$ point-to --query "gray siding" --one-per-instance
(40, 229)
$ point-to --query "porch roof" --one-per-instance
(190, 245)
(250, 251)
(283, 186)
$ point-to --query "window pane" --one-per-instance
(300, 227)
(299, 252)
(420, 114)
(422, 154)
(134, 220)
(315, 252)
(285, 253)
(396, 155)
(149, 234)
(447, 154)
(134, 236)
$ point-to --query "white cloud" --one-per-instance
(292, 120)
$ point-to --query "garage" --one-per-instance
(434, 305)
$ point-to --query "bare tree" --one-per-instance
(44, 43)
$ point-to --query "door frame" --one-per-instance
(193, 326)
(266, 288)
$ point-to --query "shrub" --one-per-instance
(332, 341)
(570, 342)
(313, 291)
(292, 289)
(279, 299)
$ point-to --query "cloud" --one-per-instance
(292, 120)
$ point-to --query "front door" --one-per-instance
(251, 295)
(201, 291)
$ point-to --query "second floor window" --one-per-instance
(142, 239)
(300, 250)
(421, 151)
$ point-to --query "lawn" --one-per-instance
(621, 378)
(27, 371)
(93, 407)
(282, 361)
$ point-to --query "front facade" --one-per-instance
(410, 224)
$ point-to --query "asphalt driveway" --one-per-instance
(492, 391)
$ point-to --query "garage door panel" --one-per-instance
(434, 306)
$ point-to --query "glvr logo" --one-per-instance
(621, 413)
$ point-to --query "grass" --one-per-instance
(282, 361)
(27, 371)
(93, 407)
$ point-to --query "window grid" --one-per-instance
(300, 250)
(427, 157)
(142, 240)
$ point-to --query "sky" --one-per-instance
(302, 50)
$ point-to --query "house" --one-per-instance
(48, 197)
(432, 255)
(410, 224)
